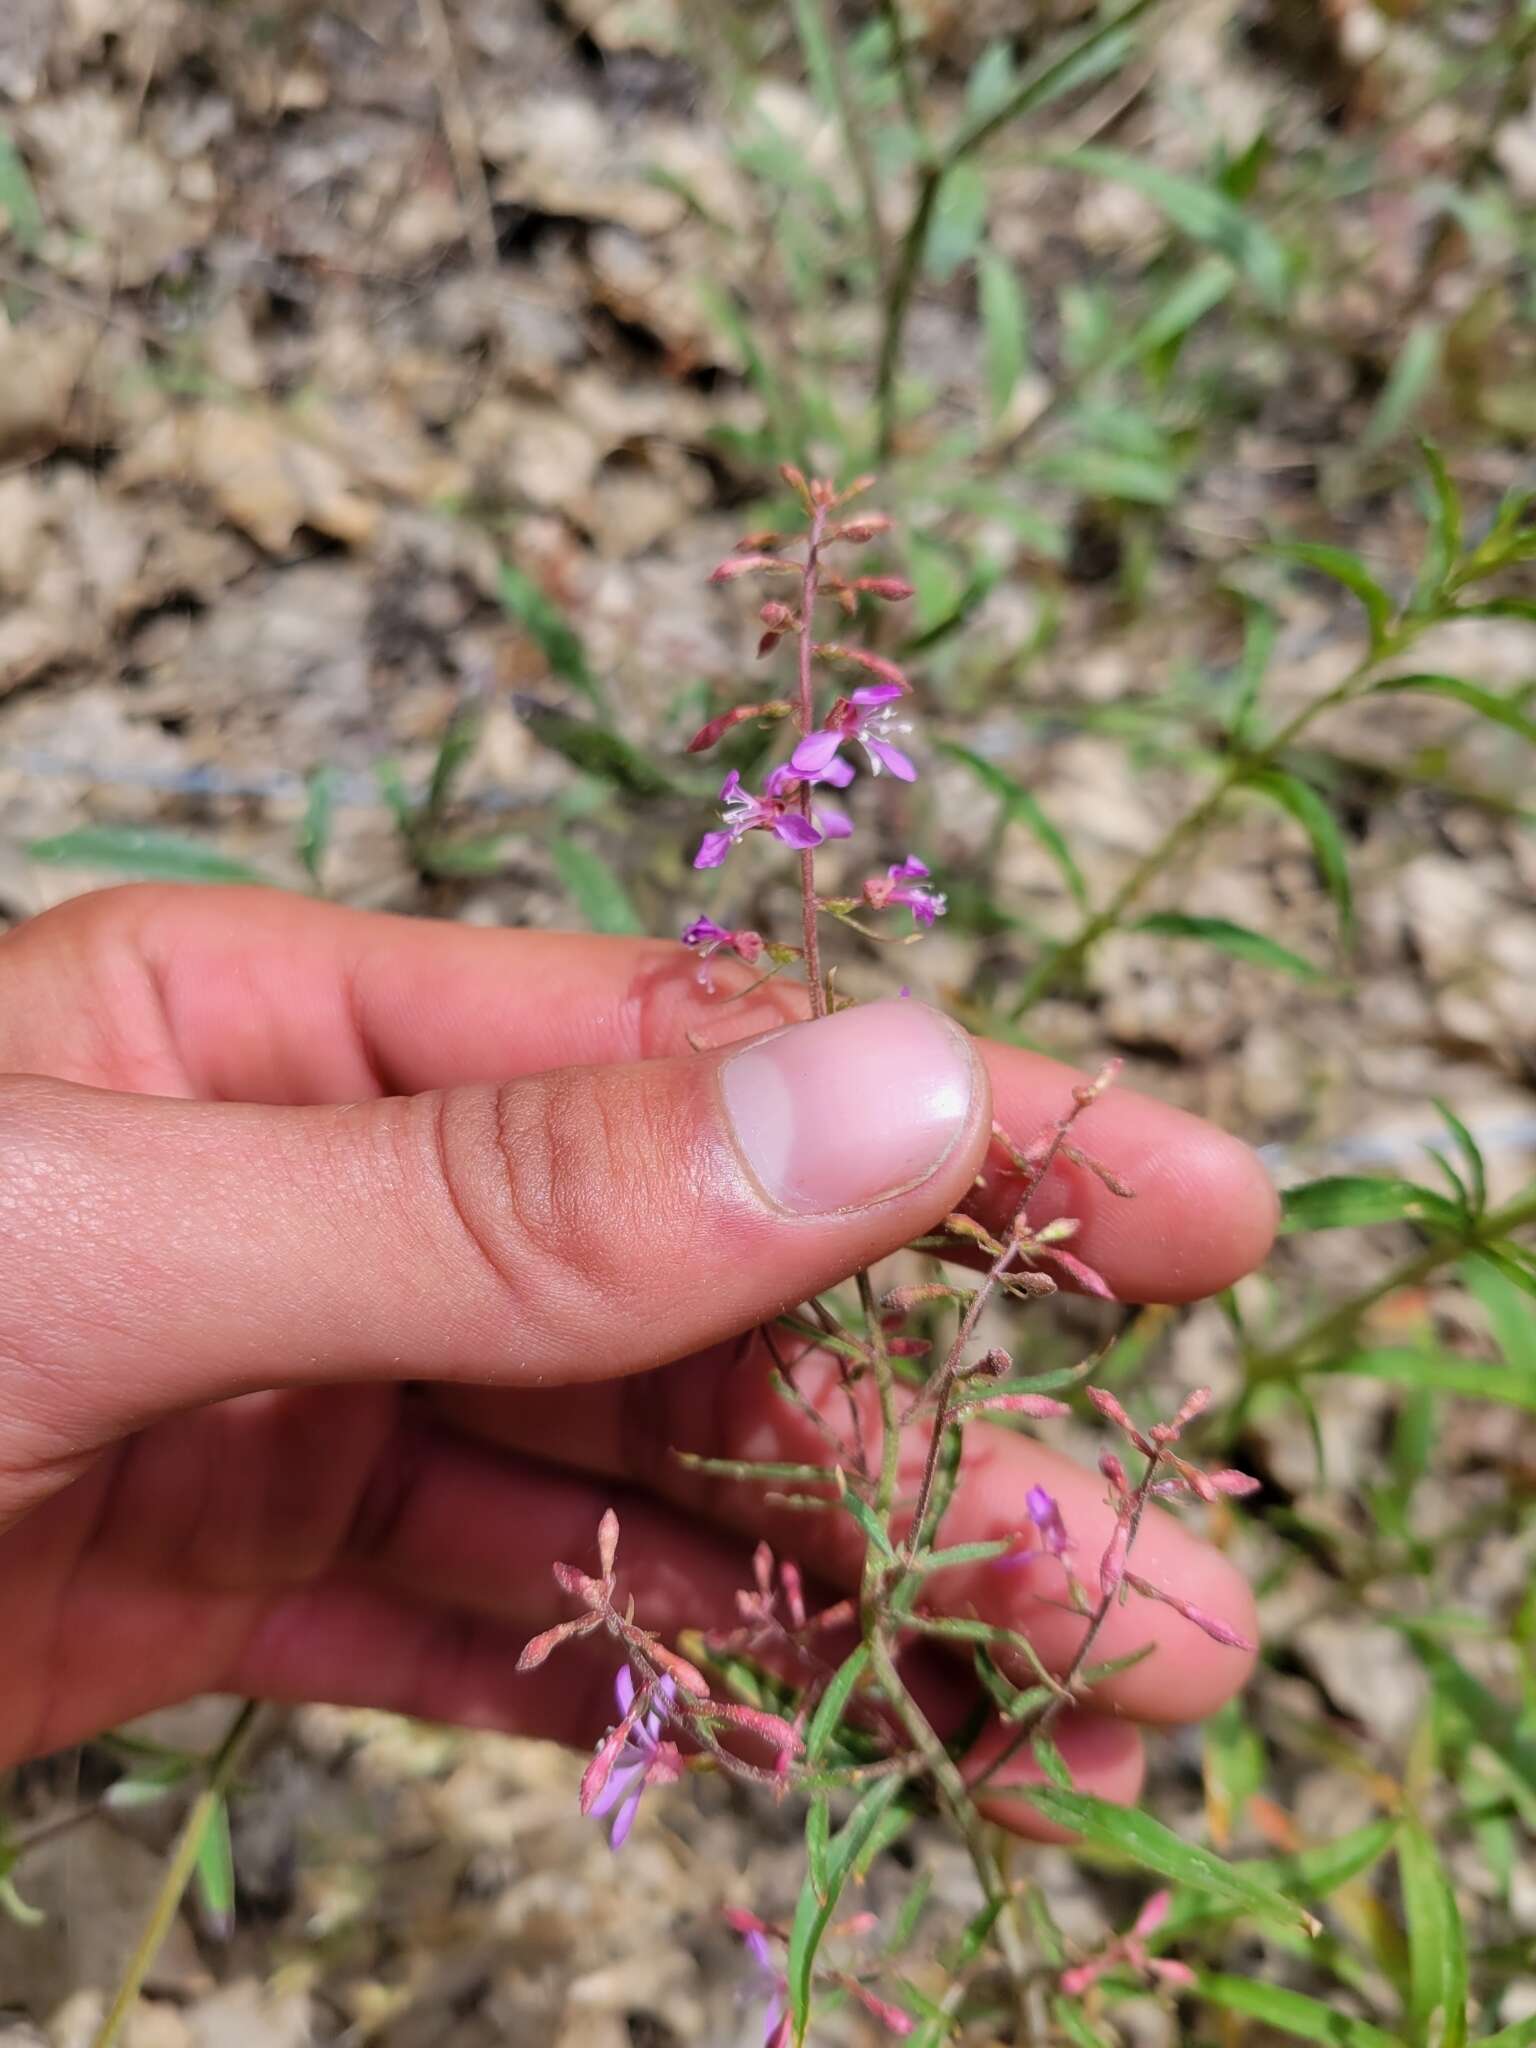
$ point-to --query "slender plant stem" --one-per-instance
(855, 140)
(934, 167)
(805, 719)
(1061, 961)
(901, 64)
(221, 1770)
(1337, 1326)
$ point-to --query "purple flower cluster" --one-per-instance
(866, 719)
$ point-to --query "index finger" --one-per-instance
(259, 996)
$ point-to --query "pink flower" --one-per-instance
(905, 883)
(1044, 1511)
(710, 937)
(1131, 1949)
(773, 1984)
(772, 812)
(631, 1755)
(867, 716)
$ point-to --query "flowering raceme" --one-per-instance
(780, 1699)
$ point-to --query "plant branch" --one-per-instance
(220, 1773)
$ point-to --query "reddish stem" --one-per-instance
(805, 718)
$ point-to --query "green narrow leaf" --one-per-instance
(1200, 211)
(595, 749)
(1260, 631)
(813, 1912)
(1318, 822)
(833, 1702)
(1521, 2035)
(1349, 570)
(594, 888)
(1351, 1200)
(548, 628)
(213, 1875)
(1486, 703)
(1472, 1158)
(1186, 303)
(1304, 2019)
(1445, 527)
(1004, 329)
(1052, 1762)
(869, 1522)
(141, 850)
(1235, 939)
(1437, 1951)
(1021, 804)
(15, 1907)
(1494, 1724)
(1514, 1327)
(1410, 377)
(313, 840)
(959, 221)
(20, 213)
(1154, 1847)
(1076, 2025)
(453, 754)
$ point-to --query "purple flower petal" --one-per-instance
(624, 1682)
(814, 752)
(834, 825)
(796, 831)
(838, 773)
(730, 786)
(624, 1820)
(713, 848)
(877, 693)
(626, 1780)
(910, 870)
(890, 757)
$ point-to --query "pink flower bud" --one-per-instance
(1218, 1631)
(1040, 1406)
(1112, 1563)
(892, 588)
(867, 527)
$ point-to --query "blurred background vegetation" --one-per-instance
(378, 383)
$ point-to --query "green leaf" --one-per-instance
(1304, 2019)
(813, 1911)
(1146, 1842)
(1181, 307)
(1234, 1763)
(1408, 380)
(1309, 1875)
(1200, 211)
(1260, 630)
(1317, 821)
(1097, 54)
(1052, 1763)
(595, 749)
(1235, 939)
(1106, 473)
(1437, 1948)
(548, 628)
(1349, 570)
(869, 1522)
(1514, 1327)
(1501, 710)
(140, 850)
(22, 216)
(1491, 1722)
(1076, 2025)
(1021, 804)
(833, 1703)
(1521, 2035)
(1445, 528)
(1352, 1200)
(15, 1907)
(1472, 1158)
(1004, 329)
(453, 754)
(959, 221)
(213, 1875)
(594, 888)
(314, 835)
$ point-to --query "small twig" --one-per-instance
(459, 128)
(221, 1770)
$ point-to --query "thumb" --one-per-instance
(570, 1226)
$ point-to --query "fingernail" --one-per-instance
(851, 1109)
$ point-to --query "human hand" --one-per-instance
(264, 1162)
